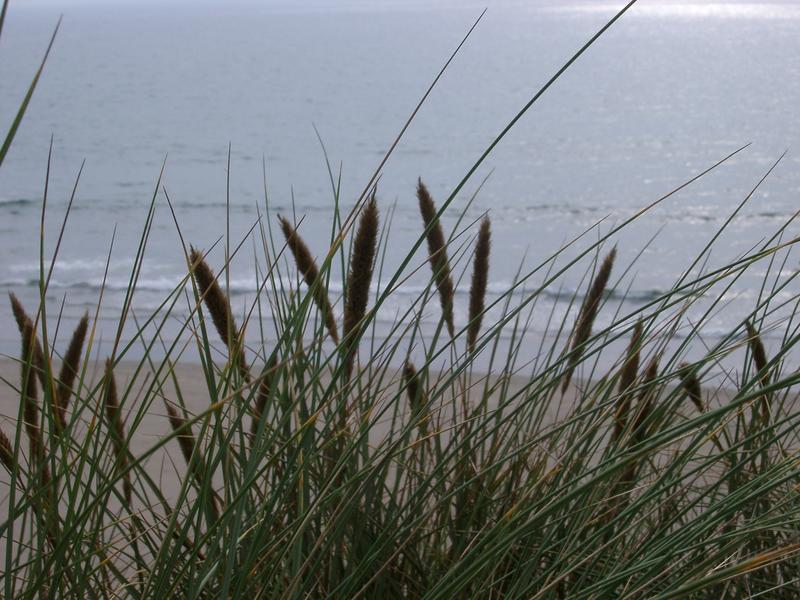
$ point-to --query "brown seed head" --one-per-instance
(187, 443)
(20, 316)
(437, 254)
(220, 309)
(360, 276)
(691, 385)
(757, 350)
(69, 368)
(111, 402)
(480, 279)
(760, 361)
(645, 401)
(36, 354)
(416, 395)
(308, 267)
(6, 452)
(588, 312)
(264, 390)
(631, 367)
(29, 388)
(30, 406)
(627, 378)
(185, 437)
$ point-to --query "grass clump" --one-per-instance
(377, 477)
(408, 464)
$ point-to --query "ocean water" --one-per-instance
(668, 91)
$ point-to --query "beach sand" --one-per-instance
(153, 422)
(165, 466)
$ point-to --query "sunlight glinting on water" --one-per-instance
(695, 10)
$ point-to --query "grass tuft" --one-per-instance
(465, 476)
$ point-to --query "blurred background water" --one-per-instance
(672, 88)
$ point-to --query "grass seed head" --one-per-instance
(264, 391)
(118, 439)
(627, 378)
(220, 309)
(588, 313)
(70, 367)
(360, 275)
(480, 278)
(437, 253)
(36, 354)
(183, 430)
(691, 386)
(6, 452)
(417, 398)
(645, 402)
(308, 268)
(758, 352)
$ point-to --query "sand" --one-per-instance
(154, 424)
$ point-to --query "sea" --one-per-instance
(259, 109)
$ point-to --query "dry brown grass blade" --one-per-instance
(69, 368)
(308, 267)
(220, 309)
(114, 416)
(437, 254)
(480, 279)
(587, 315)
(359, 278)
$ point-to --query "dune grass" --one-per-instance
(330, 462)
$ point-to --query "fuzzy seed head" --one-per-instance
(220, 309)
(6, 452)
(691, 386)
(437, 254)
(587, 314)
(70, 367)
(264, 390)
(757, 350)
(111, 402)
(626, 380)
(360, 276)
(480, 279)
(416, 395)
(308, 268)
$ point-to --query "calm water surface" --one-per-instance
(672, 88)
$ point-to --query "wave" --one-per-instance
(242, 286)
(91, 264)
(15, 202)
